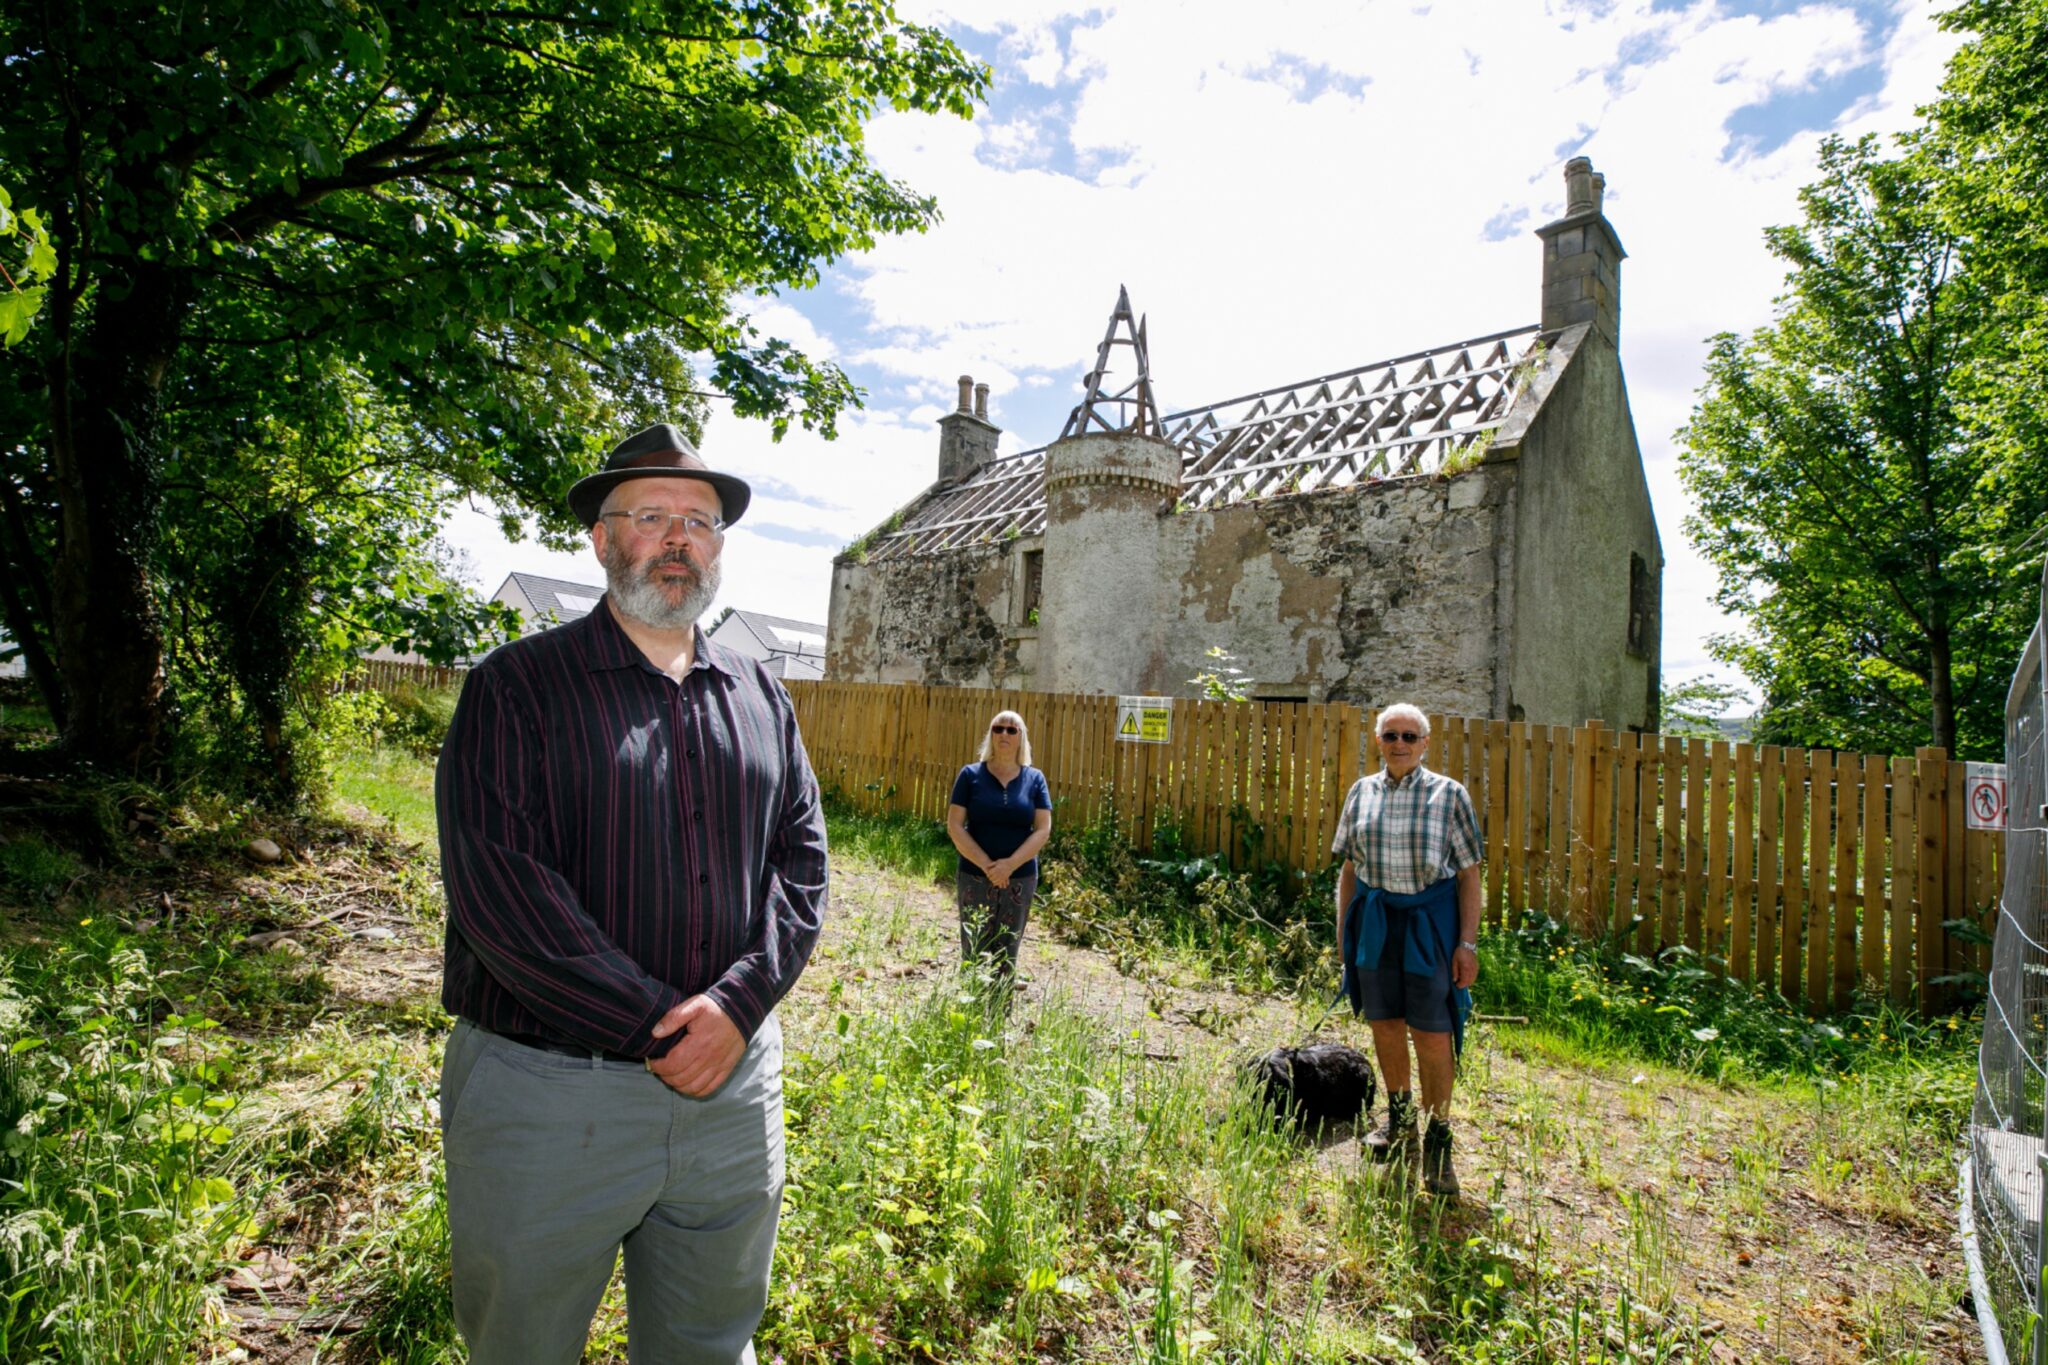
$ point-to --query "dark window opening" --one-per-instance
(1034, 583)
(1642, 606)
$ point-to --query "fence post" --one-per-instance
(1579, 829)
(1933, 779)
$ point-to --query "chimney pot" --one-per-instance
(1579, 193)
(981, 401)
(966, 393)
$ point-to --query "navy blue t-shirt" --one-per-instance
(999, 817)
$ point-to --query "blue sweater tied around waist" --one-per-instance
(1431, 940)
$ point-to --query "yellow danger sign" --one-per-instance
(1144, 720)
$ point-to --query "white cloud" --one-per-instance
(1302, 188)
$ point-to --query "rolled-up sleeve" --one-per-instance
(793, 893)
(511, 913)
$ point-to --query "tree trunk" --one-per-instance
(1941, 683)
(106, 452)
(27, 617)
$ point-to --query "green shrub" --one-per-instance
(421, 716)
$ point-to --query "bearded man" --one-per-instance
(634, 855)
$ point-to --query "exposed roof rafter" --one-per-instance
(1391, 419)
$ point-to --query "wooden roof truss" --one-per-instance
(1392, 419)
(1133, 404)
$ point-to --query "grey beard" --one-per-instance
(639, 596)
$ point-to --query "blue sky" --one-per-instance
(1289, 190)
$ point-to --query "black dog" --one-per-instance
(1320, 1084)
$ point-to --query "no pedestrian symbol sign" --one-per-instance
(1984, 795)
(1144, 720)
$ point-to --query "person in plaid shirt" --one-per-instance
(1408, 901)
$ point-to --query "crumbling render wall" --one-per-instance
(1351, 595)
(942, 620)
(1362, 595)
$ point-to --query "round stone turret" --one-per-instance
(1103, 617)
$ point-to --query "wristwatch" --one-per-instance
(1467, 943)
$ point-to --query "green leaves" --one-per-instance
(24, 281)
(1861, 521)
(454, 252)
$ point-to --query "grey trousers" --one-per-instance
(556, 1162)
(992, 919)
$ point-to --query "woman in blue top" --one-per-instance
(999, 817)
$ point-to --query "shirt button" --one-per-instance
(704, 946)
(699, 815)
(693, 753)
(703, 879)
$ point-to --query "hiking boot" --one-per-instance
(1437, 1176)
(1395, 1140)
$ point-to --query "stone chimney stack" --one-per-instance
(1582, 258)
(967, 439)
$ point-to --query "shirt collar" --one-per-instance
(607, 646)
(1396, 783)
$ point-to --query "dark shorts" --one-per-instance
(1390, 993)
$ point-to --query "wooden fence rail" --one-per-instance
(1812, 871)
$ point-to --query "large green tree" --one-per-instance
(321, 265)
(1987, 138)
(1873, 542)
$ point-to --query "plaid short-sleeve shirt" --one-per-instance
(1407, 836)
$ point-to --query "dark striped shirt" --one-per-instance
(614, 842)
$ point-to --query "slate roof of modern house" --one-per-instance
(1387, 420)
(558, 597)
(782, 634)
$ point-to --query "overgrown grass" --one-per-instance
(392, 783)
(1262, 930)
(968, 1184)
(916, 848)
(1678, 1010)
(125, 1175)
(976, 1187)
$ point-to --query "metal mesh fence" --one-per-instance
(2002, 1180)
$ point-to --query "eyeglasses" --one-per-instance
(1002, 729)
(651, 523)
(1404, 736)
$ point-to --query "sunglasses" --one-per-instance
(1002, 729)
(1404, 736)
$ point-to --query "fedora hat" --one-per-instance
(656, 453)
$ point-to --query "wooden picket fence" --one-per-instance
(386, 675)
(1813, 871)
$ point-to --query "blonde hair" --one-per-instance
(1023, 738)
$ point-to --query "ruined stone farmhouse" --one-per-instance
(1466, 526)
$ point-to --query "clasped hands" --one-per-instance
(999, 872)
(711, 1046)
